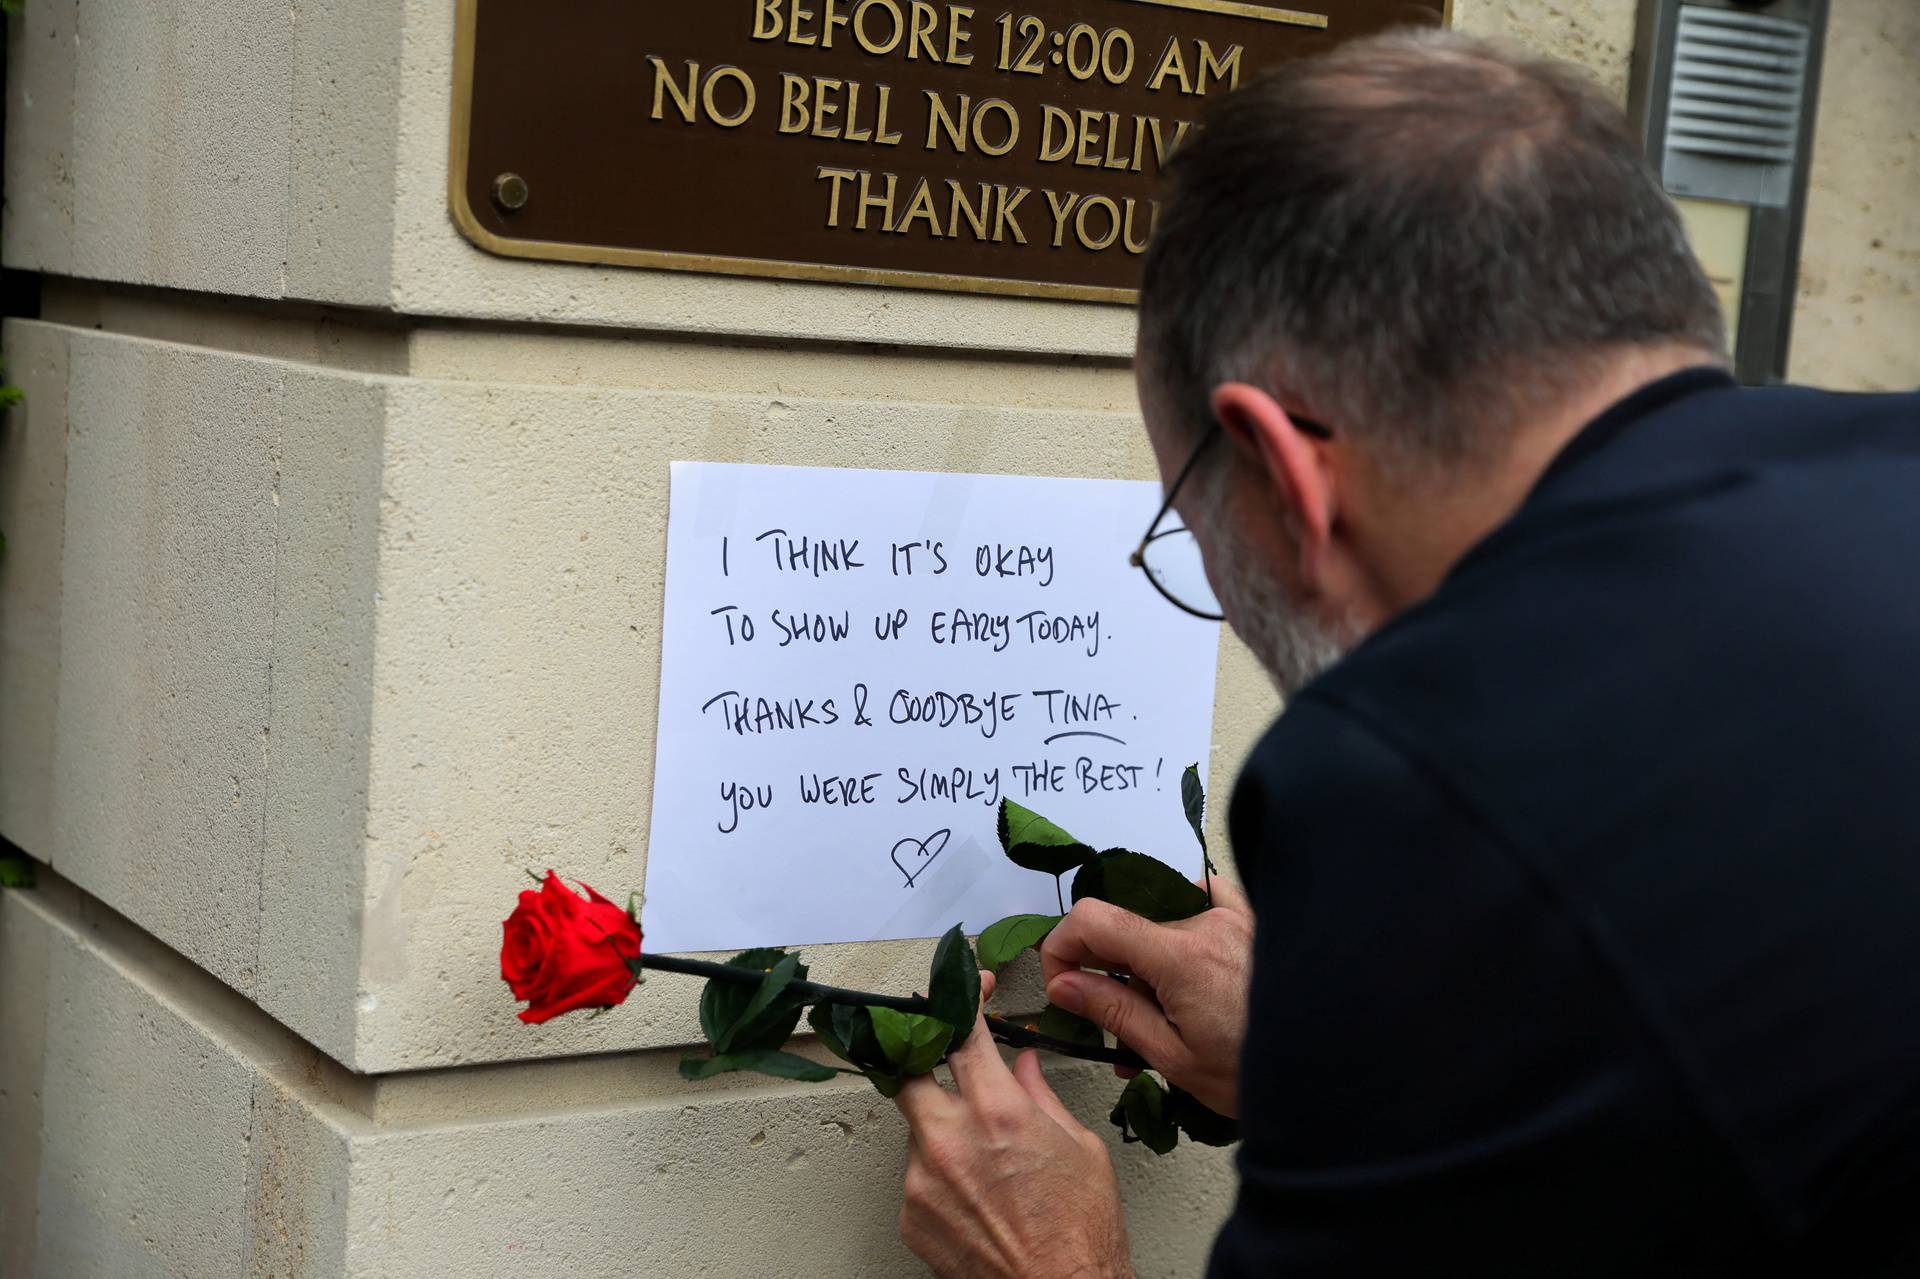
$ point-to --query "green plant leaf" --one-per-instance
(11, 396)
(748, 1026)
(724, 1006)
(1193, 797)
(1071, 1027)
(1141, 1115)
(765, 1061)
(848, 1032)
(16, 870)
(1144, 885)
(914, 1042)
(1208, 1127)
(953, 989)
(1034, 843)
(1008, 937)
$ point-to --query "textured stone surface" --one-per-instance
(345, 654)
(1857, 320)
(196, 1138)
(33, 485)
(167, 621)
(1596, 34)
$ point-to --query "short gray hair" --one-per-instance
(1420, 236)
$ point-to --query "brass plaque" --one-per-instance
(971, 147)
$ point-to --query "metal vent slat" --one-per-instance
(1738, 83)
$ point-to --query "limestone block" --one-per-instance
(1596, 34)
(33, 474)
(221, 146)
(161, 744)
(1857, 318)
(222, 515)
(342, 655)
(517, 663)
(181, 1133)
(141, 1128)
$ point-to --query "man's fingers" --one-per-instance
(1124, 1012)
(923, 1101)
(1227, 894)
(976, 1064)
(1104, 936)
(1027, 1073)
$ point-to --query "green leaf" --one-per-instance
(765, 1061)
(747, 1023)
(848, 1031)
(953, 990)
(1193, 797)
(1034, 843)
(1208, 1127)
(16, 870)
(1141, 1115)
(1007, 938)
(1144, 885)
(11, 396)
(914, 1042)
(1071, 1027)
(724, 1006)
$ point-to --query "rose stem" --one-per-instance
(813, 992)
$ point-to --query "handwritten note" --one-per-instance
(857, 666)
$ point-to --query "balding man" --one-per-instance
(1585, 856)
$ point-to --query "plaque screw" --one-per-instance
(510, 192)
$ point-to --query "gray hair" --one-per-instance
(1421, 237)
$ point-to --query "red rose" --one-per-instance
(563, 953)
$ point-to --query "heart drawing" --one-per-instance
(925, 849)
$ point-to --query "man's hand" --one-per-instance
(1001, 1180)
(1184, 1005)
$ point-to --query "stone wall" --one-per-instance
(331, 601)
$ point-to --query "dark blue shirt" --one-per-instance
(1589, 888)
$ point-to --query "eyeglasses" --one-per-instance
(1171, 557)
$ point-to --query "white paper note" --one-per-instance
(858, 665)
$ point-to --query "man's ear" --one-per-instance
(1298, 464)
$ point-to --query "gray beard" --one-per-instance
(1291, 643)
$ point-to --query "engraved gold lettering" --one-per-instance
(1052, 152)
(920, 205)
(1092, 202)
(926, 19)
(1220, 67)
(1089, 138)
(1061, 203)
(881, 134)
(882, 202)
(1127, 237)
(795, 114)
(959, 36)
(862, 37)
(747, 96)
(976, 217)
(663, 84)
(1170, 63)
(837, 176)
(1005, 110)
(794, 35)
(1005, 209)
(767, 22)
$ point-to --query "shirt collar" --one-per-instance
(1615, 421)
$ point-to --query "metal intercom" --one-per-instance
(1724, 93)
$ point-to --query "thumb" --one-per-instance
(1027, 1072)
(1125, 1013)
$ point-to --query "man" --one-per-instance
(1588, 880)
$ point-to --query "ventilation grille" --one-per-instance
(1733, 120)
